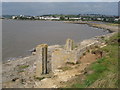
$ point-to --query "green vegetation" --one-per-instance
(23, 66)
(104, 71)
(75, 46)
(20, 71)
(64, 17)
(65, 68)
(84, 53)
(71, 63)
(39, 78)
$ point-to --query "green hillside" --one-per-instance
(104, 71)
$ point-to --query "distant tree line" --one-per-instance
(83, 17)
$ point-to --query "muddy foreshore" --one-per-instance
(101, 25)
(20, 73)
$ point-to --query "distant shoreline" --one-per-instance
(96, 25)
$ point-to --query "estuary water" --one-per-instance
(18, 36)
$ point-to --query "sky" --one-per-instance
(60, 0)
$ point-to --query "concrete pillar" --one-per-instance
(69, 45)
(41, 57)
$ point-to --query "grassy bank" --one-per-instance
(104, 72)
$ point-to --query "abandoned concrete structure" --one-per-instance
(41, 57)
(60, 56)
(69, 45)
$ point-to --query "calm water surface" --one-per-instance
(21, 36)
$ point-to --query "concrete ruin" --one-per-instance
(50, 61)
(69, 55)
(69, 45)
(41, 57)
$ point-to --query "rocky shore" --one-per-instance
(20, 73)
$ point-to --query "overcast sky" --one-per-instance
(59, 0)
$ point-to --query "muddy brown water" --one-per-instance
(18, 36)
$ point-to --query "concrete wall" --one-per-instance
(58, 57)
(41, 58)
(61, 56)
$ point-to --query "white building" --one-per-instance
(116, 19)
(14, 17)
(28, 17)
(100, 19)
(41, 18)
(75, 18)
(51, 18)
(21, 15)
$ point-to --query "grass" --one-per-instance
(105, 70)
(65, 68)
(23, 66)
(20, 71)
(75, 46)
(112, 24)
(99, 68)
(70, 63)
(77, 85)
